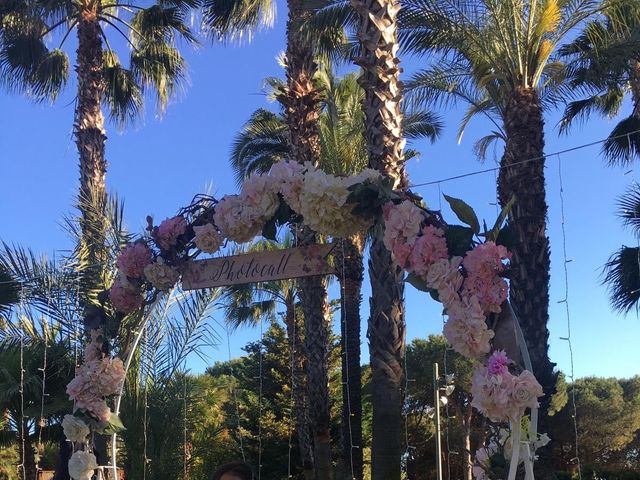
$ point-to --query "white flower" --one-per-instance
(82, 465)
(207, 238)
(75, 429)
(162, 276)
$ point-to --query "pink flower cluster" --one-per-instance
(428, 248)
(502, 396)
(98, 377)
(288, 177)
(401, 227)
(466, 328)
(133, 258)
(125, 297)
(169, 230)
(483, 266)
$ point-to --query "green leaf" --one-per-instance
(506, 237)
(493, 235)
(464, 212)
(114, 425)
(269, 230)
(459, 240)
(419, 284)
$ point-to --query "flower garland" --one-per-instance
(466, 276)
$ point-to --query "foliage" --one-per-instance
(608, 420)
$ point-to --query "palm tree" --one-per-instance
(248, 304)
(384, 139)
(28, 65)
(500, 58)
(604, 66)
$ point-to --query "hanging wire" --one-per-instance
(234, 392)
(522, 162)
(260, 400)
(565, 300)
(45, 334)
(145, 374)
(346, 360)
(21, 314)
(292, 357)
(184, 427)
(446, 374)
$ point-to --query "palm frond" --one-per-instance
(262, 141)
(9, 291)
(608, 104)
(423, 124)
(481, 147)
(236, 20)
(122, 93)
(628, 209)
(623, 143)
(622, 278)
(159, 24)
(158, 65)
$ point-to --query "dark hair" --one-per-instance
(239, 469)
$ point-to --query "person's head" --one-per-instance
(233, 471)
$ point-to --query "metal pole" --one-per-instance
(436, 399)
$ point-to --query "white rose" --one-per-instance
(207, 238)
(82, 465)
(75, 429)
(162, 276)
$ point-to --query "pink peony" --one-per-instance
(492, 394)
(483, 266)
(401, 253)
(430, 247)
(466, 328)
(498, 363)
(162, 276)
(133, 258)
(125, 299)
(169, 231)
(401, 223)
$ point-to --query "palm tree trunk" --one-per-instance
(299, 386)
(90, 136)
(302, 109)
(529, 291)
(386, 332)
(349, 265)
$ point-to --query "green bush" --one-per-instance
(590, 472)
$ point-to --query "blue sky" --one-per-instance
(158, 165)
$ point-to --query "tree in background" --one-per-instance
(608, 421)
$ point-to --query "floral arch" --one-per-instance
(462, 266)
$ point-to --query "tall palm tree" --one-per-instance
(604, 67)
(385, 143)
(248, 304)
(500, 58)
(29, 65)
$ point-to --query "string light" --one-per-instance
(45, 334)
(565, 300)
(235, 395)
(21, 467)
(260, 401)
(292, 357)
(346, 360)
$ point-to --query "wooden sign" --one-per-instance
(257, 267)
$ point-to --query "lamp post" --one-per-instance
(436, 399)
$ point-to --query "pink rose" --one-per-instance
(169, 231)
(133, 258)
(526, 390)
(125, 299)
